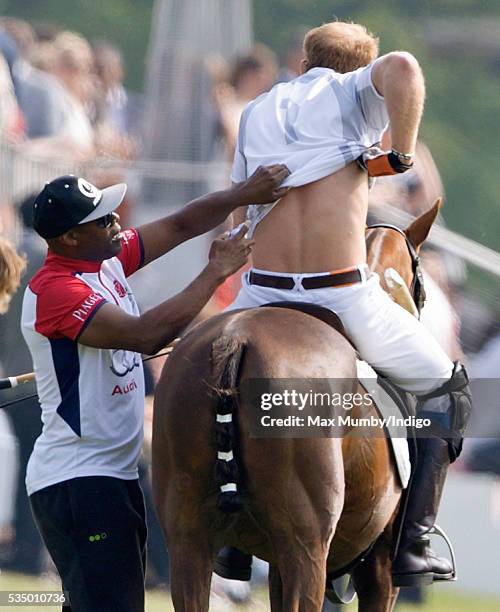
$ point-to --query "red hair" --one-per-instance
(344, 47)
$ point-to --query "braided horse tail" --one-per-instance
(227, 353)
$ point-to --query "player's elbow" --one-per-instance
(402, 64)
(152, 349)
(397, 74)
(151, 342)
(149, 345)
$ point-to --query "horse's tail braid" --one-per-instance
(227, 352)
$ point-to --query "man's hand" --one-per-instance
(229, 253)
(205, 213)
(264, 185)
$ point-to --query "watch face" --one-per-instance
(405, 157)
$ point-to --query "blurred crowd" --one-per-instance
(63, 97)
(60, 95)
(62, 100)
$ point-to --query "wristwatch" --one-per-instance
(404, 158)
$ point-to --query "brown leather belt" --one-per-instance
(336, 279)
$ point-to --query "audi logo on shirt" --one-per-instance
(123, 362)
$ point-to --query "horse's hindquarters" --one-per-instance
(292, 489)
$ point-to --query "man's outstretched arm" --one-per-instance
(209, 211)
(113, 328)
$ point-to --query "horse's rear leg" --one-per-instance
(190, 548)
(297, 581)
(303, 576)
(373, 578)
(190, 573)
(301, 517)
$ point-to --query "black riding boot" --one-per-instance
(416, 564)
(233, 564)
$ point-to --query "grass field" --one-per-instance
(439, 599)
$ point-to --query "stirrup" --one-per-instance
(421, 579)
(436, 530)
(339, 592)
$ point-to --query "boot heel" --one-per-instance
(412, 580)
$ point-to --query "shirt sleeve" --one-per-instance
(65, 307)
(132, 254)
(371, 102)
(239, 170)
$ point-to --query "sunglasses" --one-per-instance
(106, 221)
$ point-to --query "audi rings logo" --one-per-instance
(123, 362)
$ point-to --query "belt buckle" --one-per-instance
(298, 286)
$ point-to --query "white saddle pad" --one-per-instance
(388, 408)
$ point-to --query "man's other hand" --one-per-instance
(264, 185)
(229, 253)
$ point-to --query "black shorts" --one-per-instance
(95, 531)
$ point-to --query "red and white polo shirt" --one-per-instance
(92, 399)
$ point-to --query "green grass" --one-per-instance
(451, 602)
(443, 599)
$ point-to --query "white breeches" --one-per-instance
(386, 336)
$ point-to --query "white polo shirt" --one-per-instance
(316, 124)
(92, 399)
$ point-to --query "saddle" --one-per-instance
(318, 312)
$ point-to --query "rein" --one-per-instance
(6, 383)
(417, 289)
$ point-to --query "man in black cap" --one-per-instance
(85, 334)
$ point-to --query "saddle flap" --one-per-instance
(388, 409)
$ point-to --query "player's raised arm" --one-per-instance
(111, 327)
(398, 78)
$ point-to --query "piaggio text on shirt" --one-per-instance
(86, 306)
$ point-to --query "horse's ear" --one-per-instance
(419, 229)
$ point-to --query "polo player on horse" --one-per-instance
(326, 126)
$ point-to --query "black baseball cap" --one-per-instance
(68, 201)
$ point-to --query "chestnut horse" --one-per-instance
(305, 505)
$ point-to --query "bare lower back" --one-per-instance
(316, 228)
